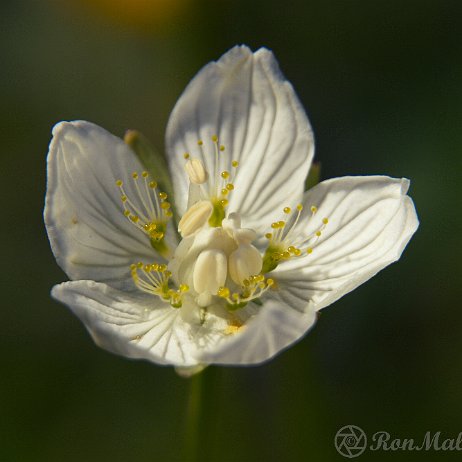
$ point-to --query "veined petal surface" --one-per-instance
(89, 234)
(274, 328)
(138, 326)
(244, 100)
(370, 221)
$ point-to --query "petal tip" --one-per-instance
(72, 126)
(405, 184)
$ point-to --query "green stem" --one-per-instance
(193, 419)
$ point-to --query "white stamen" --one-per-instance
(244, 262)
(210, 271)
(195, 218)
(196, 171)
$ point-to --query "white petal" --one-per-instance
(89, 235)
(274, 328)
(245, 100)
(371, 219)
(128, 325)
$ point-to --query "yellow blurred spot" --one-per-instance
(152, 16)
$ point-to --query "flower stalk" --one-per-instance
(194, 419)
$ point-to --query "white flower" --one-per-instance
(255, 258)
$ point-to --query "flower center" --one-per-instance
(220, 263)
(215, 262)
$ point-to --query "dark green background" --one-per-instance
(381, 81)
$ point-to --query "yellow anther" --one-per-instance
(224, 191)
(127, 213)
(318, 233)
(214, 138)
(168, 274)
(235, 163)
(133, 267)
(325, 221)
(222, 148)
(163, 195)
(135, 175)
(123, 198)
(230, 186)
(152, 184)
(200, 143)
(223, 292)
(269, 282)
(299, 207)
(165, 205)
(144, 174)
(224, 202)
(134, 218)
(186, 155)
(162, 268)
(314, 209)
(274, 225)
(169, 213)
(286, 254)
(235, 296)
(139, 264)
(297, 252)
(281, 224)
(268, 235)
(225, 174)
(287, 210)
(291, 249)
(309, 250)
(184, 287)
(119, 183)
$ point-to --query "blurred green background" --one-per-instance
(381, 81)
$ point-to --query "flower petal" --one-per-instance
(371, 219)
(135, 326)
(89, 234)
(275, 327)
(245, 100)
(142, 327)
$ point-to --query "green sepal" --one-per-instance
(154, 162)
(314, 175)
